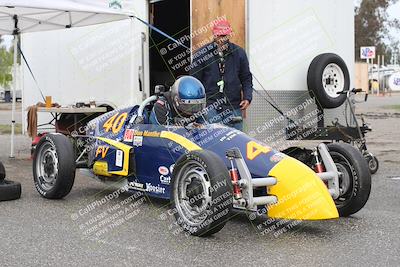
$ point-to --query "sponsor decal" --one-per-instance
(128, 136)
(277, 157)
(147, 134)
(163, 170)
(137, 140)
(136, 186)
(165, 179)
(102, 151)
(147, 188)
(118, 158)
(171, 168)
(155, 188)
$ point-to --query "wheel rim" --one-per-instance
(333, 80)
(346, 179)
(192, 193)
(372, 163)
(47, 166)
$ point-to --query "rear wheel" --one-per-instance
(354, 178)
(54, 166)
(201, 193)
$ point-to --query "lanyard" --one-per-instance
(221, 66)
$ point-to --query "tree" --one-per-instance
(6, 63)
(372, 27)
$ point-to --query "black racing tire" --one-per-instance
(327, 75)
(373, 163)
(355, 179)
(9, 190)
(54, 166)
(2, 172)
(202, 195)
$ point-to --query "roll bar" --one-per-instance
(147, 101)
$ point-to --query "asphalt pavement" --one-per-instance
(71, 232)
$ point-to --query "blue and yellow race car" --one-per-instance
(205, 171)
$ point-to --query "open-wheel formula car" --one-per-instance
(205, 171)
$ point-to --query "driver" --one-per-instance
(181, 105)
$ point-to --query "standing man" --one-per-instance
(224, 70)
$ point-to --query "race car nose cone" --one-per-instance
(301, 193)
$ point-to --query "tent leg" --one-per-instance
(14, 96)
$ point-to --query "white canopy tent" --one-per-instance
(21, 16)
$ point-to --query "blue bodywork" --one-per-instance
(155, 156)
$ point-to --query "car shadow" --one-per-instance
(242, 223)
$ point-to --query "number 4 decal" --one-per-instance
(254, 150)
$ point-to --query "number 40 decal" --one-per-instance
(254, 150)
(115, 123)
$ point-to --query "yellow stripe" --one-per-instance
(180, 140)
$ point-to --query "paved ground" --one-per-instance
(5, 114)
(39, 232)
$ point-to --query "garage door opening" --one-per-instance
(168, 61)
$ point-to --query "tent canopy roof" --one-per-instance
(43, 15)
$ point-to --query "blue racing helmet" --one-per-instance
(188, 95)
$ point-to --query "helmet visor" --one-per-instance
(192, 106)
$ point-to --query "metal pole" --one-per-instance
(14, 96)
(379, 75)
(383, 80)
(369, 75)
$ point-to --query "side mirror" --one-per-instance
(158, 89)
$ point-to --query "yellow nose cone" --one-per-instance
(301, 193)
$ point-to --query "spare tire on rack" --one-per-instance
(328, 75)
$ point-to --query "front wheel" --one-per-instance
(201, 193)
(54, 166)
(354, 178)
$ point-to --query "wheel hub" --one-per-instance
(333, 80)
(193, 193)
(344, 179)
(47, 165)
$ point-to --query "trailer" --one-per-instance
(120, 63)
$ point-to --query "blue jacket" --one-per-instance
(237, 77)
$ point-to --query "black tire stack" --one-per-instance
(8, 190)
